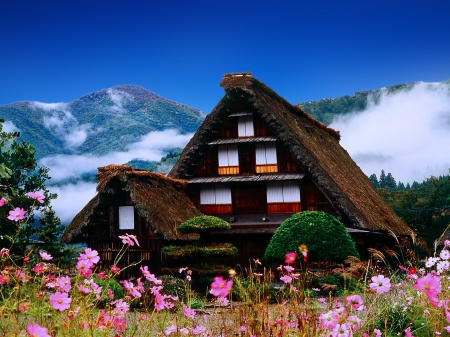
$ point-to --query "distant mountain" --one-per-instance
(98, 123)
(326, 109)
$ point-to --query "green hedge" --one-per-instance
(222, 249)
(324, 235)
(203, 224)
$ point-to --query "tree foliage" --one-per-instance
(324, 235)
(203, 224)
(424, 206)
(24, 175)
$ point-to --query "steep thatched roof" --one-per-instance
(314, 145)
(160, 200)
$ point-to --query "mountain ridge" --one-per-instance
(98, 122)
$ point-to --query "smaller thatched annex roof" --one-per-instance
(160, 200)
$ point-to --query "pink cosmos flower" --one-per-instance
(199, 329)
(380, 284)
(4, 252)
(286, 279)
(159, 302)
(63, 283)
(131, 288)
(355, 301)
(2, 201)
(35, 330)
(84, 268)
(430, 285)
(408, 333)
(36, 196)
(290, 258)
(102, 275)
(60, 301)
(115, 269)
(221, 287)
(342, 330)
(119, 324)
(16, 214)
(377, 333)
(45, 256)
(328, 320)
(39, 268)
(90, 255)
(129, 239)
(188, 312)
(222, 301)
(170, 329)
(121, 308)
(148, 276)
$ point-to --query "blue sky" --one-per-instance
(56, 51)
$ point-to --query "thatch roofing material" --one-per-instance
(315, 147)
(160, 200)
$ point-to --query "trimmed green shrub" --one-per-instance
(221, 249)
(324, 235)
(203, 224)
(173, 286)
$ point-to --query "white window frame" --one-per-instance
(215, 194)
(283, 191)
(126, 217)
(228, 155)
(266, 153)
(245, 126)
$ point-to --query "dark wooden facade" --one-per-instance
(249, 194)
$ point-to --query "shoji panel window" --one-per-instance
(126, 217)
(215, 199)
(228, 159)
(266, 158)
(215, 194)
(283, 197)
(245, 126)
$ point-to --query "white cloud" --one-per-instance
(406, 134)
(50, 106)
(150, 147)
(118, 98)
(77, 136)
(71, 199)
(60, 119)
(9, 126)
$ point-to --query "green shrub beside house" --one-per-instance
(200, 258)
(324, 235)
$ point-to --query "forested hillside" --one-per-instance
(98, 123)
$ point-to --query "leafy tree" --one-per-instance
(390, 182)
(374, 180)
(382, 182)
(21, 175)
(323, 234)
(425, 206)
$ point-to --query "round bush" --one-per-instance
(203, 224)
(324, 235)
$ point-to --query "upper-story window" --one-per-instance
(228, 159)
(245, 126)
(126, 217)
(266, 157)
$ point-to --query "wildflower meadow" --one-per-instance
(41, 299)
